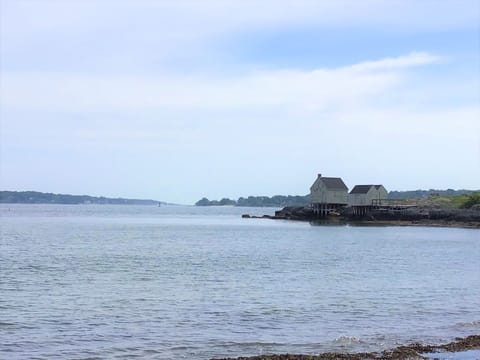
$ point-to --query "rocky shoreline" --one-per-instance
(409, 216)
(414, 351)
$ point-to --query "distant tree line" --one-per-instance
(205, 202)
(259, 201)
(274, 201)
(299, 200)
(35, 197)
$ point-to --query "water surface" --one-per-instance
(86, 281)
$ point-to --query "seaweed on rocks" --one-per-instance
(412, 215)
(406, 352)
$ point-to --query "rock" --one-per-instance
(295, 213)
(414, 214)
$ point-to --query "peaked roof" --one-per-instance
(334, 183)
(363, 189)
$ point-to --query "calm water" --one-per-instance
(195, 283)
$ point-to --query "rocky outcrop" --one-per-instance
(416, 215)
(295, 213)
(426, 213)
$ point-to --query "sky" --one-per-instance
(179, 100)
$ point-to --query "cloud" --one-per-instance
(126, 37)
(318, 89)
(210, 16)
(413, 59)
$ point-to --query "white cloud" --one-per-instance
(318, 89)
(126, 35)
(201, 17)
(413, 59)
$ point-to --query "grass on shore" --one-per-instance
(455, 201)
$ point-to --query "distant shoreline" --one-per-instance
(433, 196)
(36, 197)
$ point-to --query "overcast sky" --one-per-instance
(176, 100)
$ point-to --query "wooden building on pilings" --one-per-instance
(328, 195)
(363, 198)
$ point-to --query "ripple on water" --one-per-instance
(475, 324)
(461, 355)
(348, 340)
(122, 282)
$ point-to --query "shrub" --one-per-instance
(470, 200)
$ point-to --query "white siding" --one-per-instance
(382, 193)
(320, 194)
(357, 199)
(367, 199)
(337, 197)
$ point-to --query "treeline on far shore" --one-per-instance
(259, 201)
(449, 198)
(35, 197)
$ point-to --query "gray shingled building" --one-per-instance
(366, 195)
(329, 190)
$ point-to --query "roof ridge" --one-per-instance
(333, 183)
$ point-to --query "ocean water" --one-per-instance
(460, 355)
(98, 281)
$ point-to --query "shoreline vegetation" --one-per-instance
(436, 210)
(449, 197)
(414, 351)
(36, 197)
